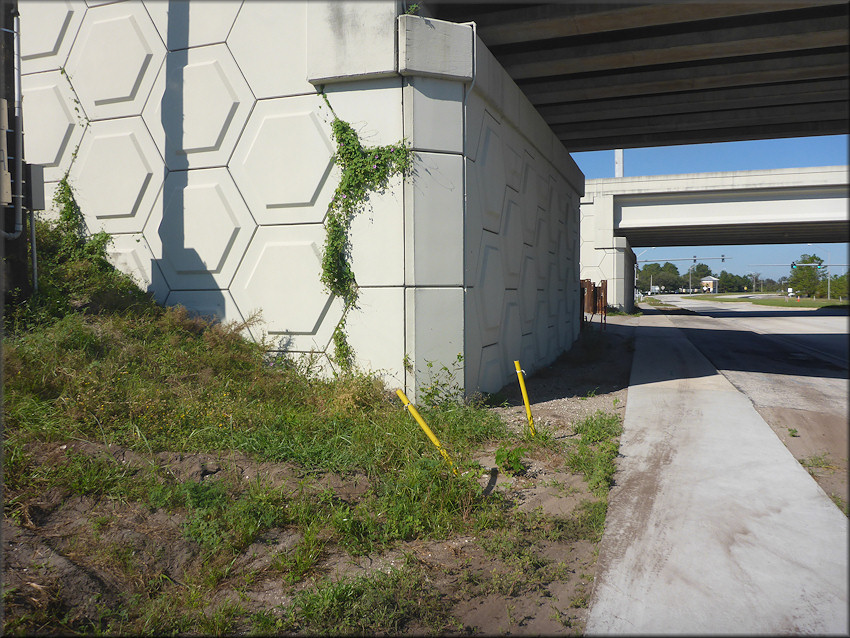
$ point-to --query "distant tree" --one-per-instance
(731, 283)
(700, 271)
(805, 279)
(770, 284)
(657, 275)
(837, 286)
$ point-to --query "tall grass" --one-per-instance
(93, 358)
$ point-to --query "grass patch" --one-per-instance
(782, 301)
(596, 450)
(386, 604)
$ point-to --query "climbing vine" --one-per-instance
(365, 170)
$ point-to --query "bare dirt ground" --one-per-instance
(73, 557)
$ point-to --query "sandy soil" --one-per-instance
(74, 556)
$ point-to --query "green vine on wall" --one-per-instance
(365, 170)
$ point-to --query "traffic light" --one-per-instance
(820, 266)
(793, 264)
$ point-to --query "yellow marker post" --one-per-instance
(525, 398)
(425, 428)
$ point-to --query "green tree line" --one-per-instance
(806, 280)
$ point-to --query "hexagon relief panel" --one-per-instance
(197, 23)
(197, 120)
(490, 165)
(491, 376)
(54, 122)
(510, 337)
(527, 290)
(511, 237)
(114, 60)
(266, 31)
(131, 255)
(528, 201)
(45, 47)
(117, 175)
(280, 184)
(200, 227)
(490, 288)
(279, 276)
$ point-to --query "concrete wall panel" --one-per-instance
(48, 29)
(117, 175)
(56, 120)
(199, 228)
(279, 276)
(184, 24)
(376, 332)
(351, 40)
(377, 239)
(283, 186)
(434, 221)
(372, 107)
(198, 107)
(269, 43)
(114, 60)
(131, 254)
(430, 100)
(434, 332)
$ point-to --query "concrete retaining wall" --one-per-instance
(192, 133)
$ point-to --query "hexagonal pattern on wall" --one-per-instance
(117, 175)
(527, 290)
(118, 42)
(490, 288)
(54, 122)
(491, 167)
(230, 161)
(199, 228)
(280, 275)
(266, 31)
(511, 237)
(48, 29)
(491, 376)
(131, 255)
(528, 195)
(510, 336)
(192, 24)
(197, 120)
(282, 186)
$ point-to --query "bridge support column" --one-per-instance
(604, 256)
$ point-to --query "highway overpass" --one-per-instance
(737, 207)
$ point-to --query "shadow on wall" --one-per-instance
(182, 259)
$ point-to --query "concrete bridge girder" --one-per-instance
(740, 207)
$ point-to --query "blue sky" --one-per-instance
(828, 150)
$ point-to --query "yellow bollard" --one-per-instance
(425, 428)
(525, 398)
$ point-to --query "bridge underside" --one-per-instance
(729, 235)
(624, 74)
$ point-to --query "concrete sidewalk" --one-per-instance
(713, 526)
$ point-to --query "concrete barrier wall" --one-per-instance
(521, 234)
(192, 133)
